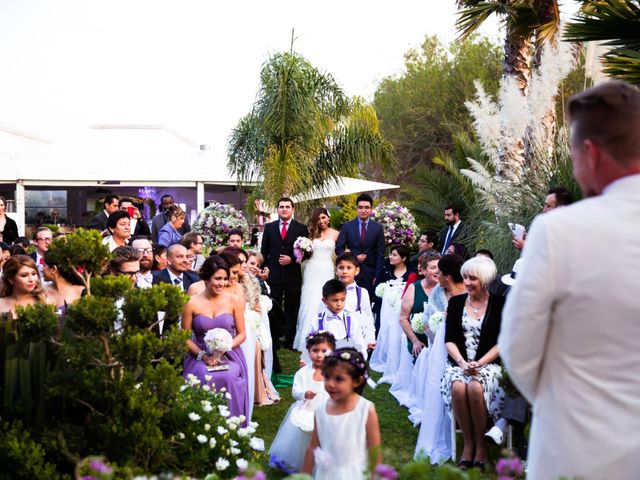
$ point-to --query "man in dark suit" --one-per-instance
(364, 237)
(456, 230)
(177, 272)
(44, 237)
(139, 227)
(111, 204)
(285, 276)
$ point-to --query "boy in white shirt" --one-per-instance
(358, 302)
(333, 318)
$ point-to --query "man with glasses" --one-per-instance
(145, 251)
(125, 262)
(570, 326)
(44, 236)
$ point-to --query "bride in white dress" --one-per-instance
(316, 271)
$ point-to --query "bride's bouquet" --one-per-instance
(302, 249)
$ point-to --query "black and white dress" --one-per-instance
(489, 375)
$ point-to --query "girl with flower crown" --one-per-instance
(346, 429)
(288, 448)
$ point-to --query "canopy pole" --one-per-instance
(199, 196)
(20, 213)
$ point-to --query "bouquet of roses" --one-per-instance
(218, 340)
(215, 221)
(417, 322)
(380, 289)
(436, 320)
(302, 249)
(398, 224)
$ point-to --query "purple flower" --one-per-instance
(100, 467)
(88, 477)
(386, 471)
(503, 466)
(516, 465)
(260, 475)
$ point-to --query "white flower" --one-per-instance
(181, 435)
(227, 396)
(206, 406)
(218, 339)
(257, 444)
(192, 379)
(243, 432)
(184, 387)
(253, 424)
(222, 430)
(232, 426)
(207, 427)
(222, 464)
(233, 443)
(417, 322)
(436, 320)
(235, 451)
(224, 410)
(194, 416)
(207, 378)
(212, 442)
(242, 418)
(206, 387)
(137, 386)
(242, 464)
(345, 356)
(202, 438)
(223, 389)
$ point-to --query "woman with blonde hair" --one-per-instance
(21, 285)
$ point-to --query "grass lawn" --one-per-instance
(398, 434)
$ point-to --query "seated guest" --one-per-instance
(471, 381)
(44, 237)
(119, 229)
(139, 227)
(65, 286)
(110, 204)
(125, 262)
(159, 258)
(21, 285)
(145, 251)
(193, 241)
(215, 307)
(177, 272)
(170, 233)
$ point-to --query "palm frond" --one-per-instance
(470, 18)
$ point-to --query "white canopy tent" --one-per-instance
(343, 186)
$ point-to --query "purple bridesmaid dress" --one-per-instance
(235, 379)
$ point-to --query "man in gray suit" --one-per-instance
(571, 324)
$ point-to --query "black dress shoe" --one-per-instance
(479, 465)
(465, 464)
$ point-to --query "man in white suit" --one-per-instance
(571, 325)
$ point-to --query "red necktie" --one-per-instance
(363, 232)
(41, 261)
(283, 233)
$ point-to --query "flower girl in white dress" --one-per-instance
(346, 425)
(288, 448)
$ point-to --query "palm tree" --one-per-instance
(617, 23)
(303, 132)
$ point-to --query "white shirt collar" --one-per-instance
(172, 277)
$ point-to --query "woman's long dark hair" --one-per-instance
(314, 231)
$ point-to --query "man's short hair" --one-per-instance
(108, 200)
(485, 252)
(24, 241)
(286, 199)
(125, 200)
(190, 238)
(166, 196)
(364, 197)
(347, 257)
(235, 231)
(609, 115)
(563, 196)
(455, 208)
(122, 254)
(332, 287)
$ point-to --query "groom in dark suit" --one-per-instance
(285, 276)
(364, 237)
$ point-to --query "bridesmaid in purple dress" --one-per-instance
(216, 308)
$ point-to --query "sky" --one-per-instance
(192, 65)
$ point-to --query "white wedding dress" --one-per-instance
(316, 272)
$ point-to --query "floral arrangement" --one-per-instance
(218, 340)
(208, 437)
(215, 221)
(266, 303)
(252, 319)
(397, 222)
(394, 297)
(302, 249)
(436, 320)
(417, 322)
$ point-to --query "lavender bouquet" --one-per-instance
(398, 224)
(302, 249)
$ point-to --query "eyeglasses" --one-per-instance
(130, 274)
(145, 250)
(44, 239)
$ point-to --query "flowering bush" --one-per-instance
(397, 222)
(215, 221)
(208, 439)
(417, 322)
(436, 320)
(302, 249)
